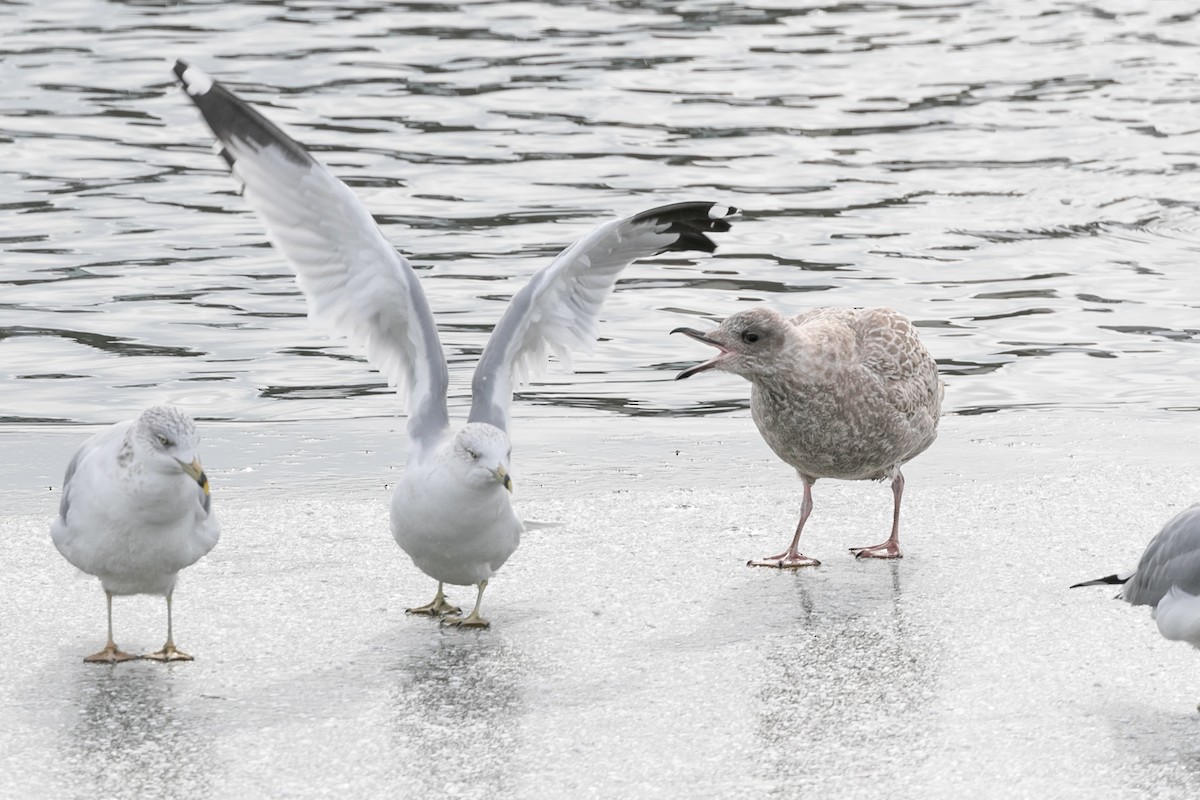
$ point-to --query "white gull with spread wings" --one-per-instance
(451, 512)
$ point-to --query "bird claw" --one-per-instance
(168, 653)
(784, 561)
(434, 610)
(109, 655)
(888, 549)
(471, 621)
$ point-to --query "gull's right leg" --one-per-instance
(437, 607)
(792, 558)
(110, 654)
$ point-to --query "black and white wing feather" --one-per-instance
(354, 280)
(559, 308)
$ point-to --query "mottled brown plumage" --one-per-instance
(846, 393)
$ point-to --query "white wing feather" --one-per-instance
(353, 279)
(559, 309)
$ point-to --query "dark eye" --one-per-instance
(749, 337)
(472, 453)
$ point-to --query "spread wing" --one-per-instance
(559, 308)
(353, 279)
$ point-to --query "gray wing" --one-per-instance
(64, 503)
(353, 279)
(1171, 559)
(559, 308)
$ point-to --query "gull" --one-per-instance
(451, 511)
(1167, 578)
(135, 511)
(847, 393)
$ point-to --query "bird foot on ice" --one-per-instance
(784, 561)
(168, 653)
(437, 608)
(888, 549)
(472, 620)
(109, 655)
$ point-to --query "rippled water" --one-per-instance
(1017, 177)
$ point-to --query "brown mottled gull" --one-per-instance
(847, 393)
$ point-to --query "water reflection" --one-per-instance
(847, 682)
(134, 738)
(457, 710)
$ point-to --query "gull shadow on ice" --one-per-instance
(845, 680)
(132, 736)
(457, 706)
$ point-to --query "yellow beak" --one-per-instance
(502, 475)
(197, 473)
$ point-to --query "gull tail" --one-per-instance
(1105, 581)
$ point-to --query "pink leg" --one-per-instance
(890, 548)
(792, 558)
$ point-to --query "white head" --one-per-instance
(166, 441)
(750, 342)
(485, 452)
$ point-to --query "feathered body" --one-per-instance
(846, 393)
(129, 515)
(853, 394)
(136, 510)
(451, 517)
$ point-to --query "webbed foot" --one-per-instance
(472, 620)
(786, 560)
(168, 653)
(889, 549)
(109, 655)
(437, 607)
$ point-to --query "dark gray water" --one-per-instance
(1017, 177)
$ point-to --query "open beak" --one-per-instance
(502, 475)
(197, 473)
(700, 337)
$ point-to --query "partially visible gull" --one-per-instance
(846, 393)
(1167, 578)
(451, 511)
(136, 510)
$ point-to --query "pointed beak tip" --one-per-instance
(504, 478)
(196, 472)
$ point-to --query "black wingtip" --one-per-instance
(1107, 580)
(691, 221)
(231, 118)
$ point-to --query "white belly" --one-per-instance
(453, 532)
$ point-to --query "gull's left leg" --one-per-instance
(168, 652)
(890, 548)
(437, 607)
(472, 620)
